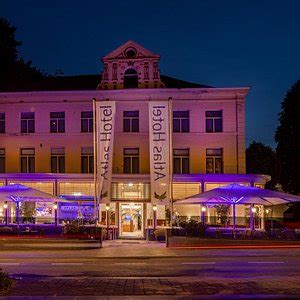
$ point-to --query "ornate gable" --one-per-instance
(130, 66)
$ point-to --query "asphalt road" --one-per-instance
(257, 272)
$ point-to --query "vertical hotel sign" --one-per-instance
(106, 111)
(159, 136)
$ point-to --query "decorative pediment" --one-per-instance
(130, 50)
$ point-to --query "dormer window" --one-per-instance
(131, 80)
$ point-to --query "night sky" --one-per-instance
(221, 43)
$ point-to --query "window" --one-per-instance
(131, 160)
(57, 160)
(181, 121)
(214, 161)
(146, 71)
(2, 122)
(86, 121)
(2, 160)
(131, 121)
(57, 122)
(155, 70)
(27, 122)
(131, 80)
(87, 160)
(27, 160)
(214, 121)
(115, 72)
(181, 161)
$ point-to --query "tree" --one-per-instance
(15, 73)
(262, 159)
(222, 211)
(287, 138)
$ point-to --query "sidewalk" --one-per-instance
(137, 248)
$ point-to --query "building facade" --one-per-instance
(46, 141)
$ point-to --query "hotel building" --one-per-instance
(47, 141)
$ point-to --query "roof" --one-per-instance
(88, 82)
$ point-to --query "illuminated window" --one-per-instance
(131, 160)
(181, 121)
(181, 161)
(214, 161)
(27, 159)
(27, 122)
(214, 121)
(86, 121)
(57, 160)
(57, 122)
(184, 190)
(87, 160)
(130, 191)
(131, 121)
(2, 160)
(47, 187)
(2, 122)
(76, 188)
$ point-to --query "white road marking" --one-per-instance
(129, 264)
(66, 264)
(9, 264)
(266, 262)
(199, 263)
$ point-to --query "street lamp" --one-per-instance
(107, 207)
(55, 206)
(5, 206)
(203, 210)
(154, 207)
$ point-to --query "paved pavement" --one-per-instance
(137, 268)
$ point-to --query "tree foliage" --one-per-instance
(262, 159)
(15, 73)
(288, 140)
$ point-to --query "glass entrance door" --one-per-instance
(131, 220)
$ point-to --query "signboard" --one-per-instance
(159, 142)
(105, 116)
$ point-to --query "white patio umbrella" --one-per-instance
(21, 193)
(238, 194)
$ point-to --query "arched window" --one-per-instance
(131, 80)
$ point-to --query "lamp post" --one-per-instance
(5, 206)
(107, 207)
(55, 206)
(154, 216)
(252, 216)
(203, 210)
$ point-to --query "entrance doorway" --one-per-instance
(131, 220)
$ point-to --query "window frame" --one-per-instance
(2, 123)
(181, 162)
(131, 121)
(213, 121)
(86, 121)
(181, 120)
(27, 122)
(2, 160)
(28, 159)
(215, 159)
(59, 121)
(87, 154)
(131, 161)
(58, 160)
